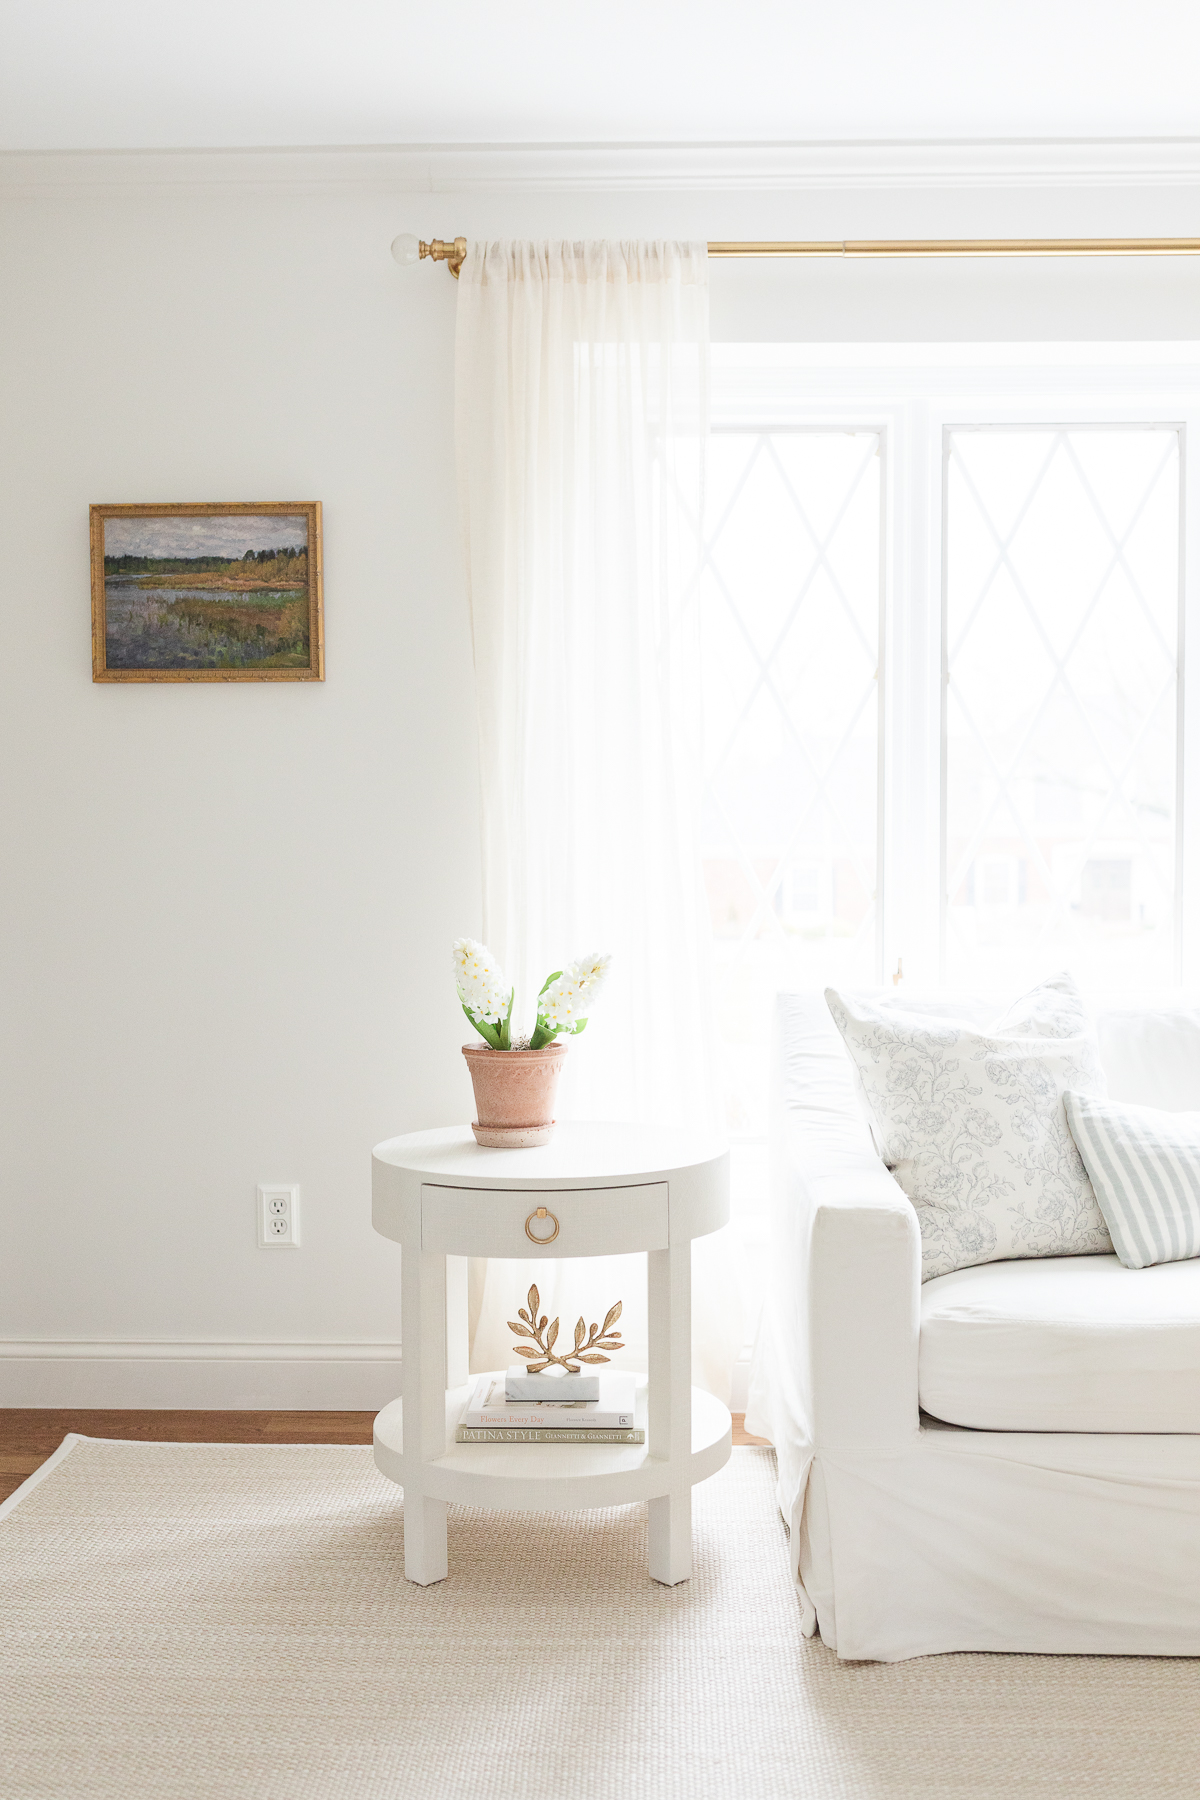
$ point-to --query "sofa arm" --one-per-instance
(846, 1300)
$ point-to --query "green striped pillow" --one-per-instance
(1145, 1169)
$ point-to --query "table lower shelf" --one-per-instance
(535, 1477)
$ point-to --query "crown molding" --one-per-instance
(466, 168)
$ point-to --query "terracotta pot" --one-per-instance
(515, 1092)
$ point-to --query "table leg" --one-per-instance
(423, 1335)
(671, 1538)
(424, 1538)
(458, 1342)
(669, 1278)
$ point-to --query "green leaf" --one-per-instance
(486, 1031)
(547, 982)
(506, 1027)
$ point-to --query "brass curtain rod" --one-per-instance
(453, 252)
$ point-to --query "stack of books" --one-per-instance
(491, 1418)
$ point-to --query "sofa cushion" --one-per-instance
(1144, 1165)
(971, 1124)
(1072, 1343)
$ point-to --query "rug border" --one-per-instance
(74, 1438)
(81, 1437)
(43, 1469)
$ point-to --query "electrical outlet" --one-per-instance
(278, 1217)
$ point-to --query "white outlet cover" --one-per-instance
(278, 1216)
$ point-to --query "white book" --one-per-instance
(613, 1411)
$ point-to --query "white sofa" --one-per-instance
(1006, 1458)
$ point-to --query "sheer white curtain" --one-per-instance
(581, 389)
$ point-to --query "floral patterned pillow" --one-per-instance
(972, 1124)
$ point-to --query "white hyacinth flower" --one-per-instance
(591, 972)
(565, 1003)
(482, 986)
(561, 1005)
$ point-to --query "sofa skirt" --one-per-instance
(975, 1540)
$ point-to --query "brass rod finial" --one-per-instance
(452, 254)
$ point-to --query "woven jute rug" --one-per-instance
(233, 1621)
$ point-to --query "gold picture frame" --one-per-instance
(208, 592)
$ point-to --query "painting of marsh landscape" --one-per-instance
(218, 593)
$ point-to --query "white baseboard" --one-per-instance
(207, 1376)
(218, 1377)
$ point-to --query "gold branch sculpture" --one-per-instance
(589, 1345)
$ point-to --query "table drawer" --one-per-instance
(504, 1221)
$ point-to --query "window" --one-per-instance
(791, 596)
(1060, 642)
(943, 604)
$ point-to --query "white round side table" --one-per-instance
(606, 1190)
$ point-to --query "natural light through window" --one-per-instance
(1062, 627)
(792, 594)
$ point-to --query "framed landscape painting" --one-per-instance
(207, 593)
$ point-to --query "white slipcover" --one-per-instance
(908, 1536)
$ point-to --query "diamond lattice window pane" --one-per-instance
(1062, 619)
(791, 605)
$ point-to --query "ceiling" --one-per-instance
(125, 74)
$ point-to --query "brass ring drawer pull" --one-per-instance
(541, 1213)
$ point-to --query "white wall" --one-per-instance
(225, 911)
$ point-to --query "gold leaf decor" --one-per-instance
(590, 1344)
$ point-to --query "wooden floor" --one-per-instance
(28, 1435)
